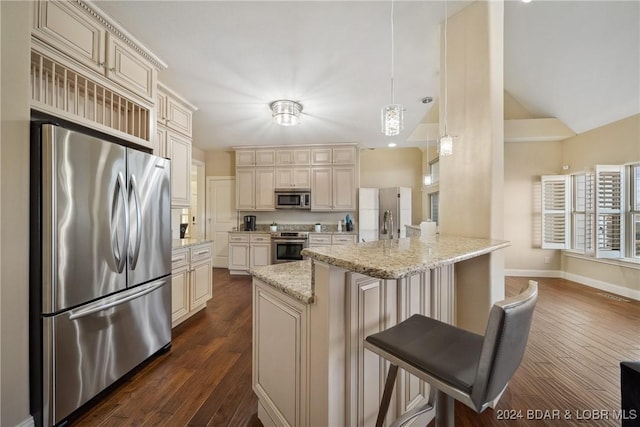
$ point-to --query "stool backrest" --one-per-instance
(504, 344)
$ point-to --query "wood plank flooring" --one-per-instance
(577, 340)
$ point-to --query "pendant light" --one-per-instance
(392, 114)
(445, 142)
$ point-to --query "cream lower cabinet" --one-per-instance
(191, 281)
(280, 357)
(247, 250)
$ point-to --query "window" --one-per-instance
(433, 207)
(588, 212)
(433, 174)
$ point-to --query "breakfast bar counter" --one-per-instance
(310, 320)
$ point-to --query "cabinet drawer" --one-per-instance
(260, 238)
(319, 239)
(179, 258)
(238, 238)
(201, 253)
(343, 240)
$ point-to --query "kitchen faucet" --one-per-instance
(387, 223)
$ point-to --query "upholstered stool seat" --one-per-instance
(458, 364)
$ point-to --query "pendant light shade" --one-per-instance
(285, 112)
(392, 119)
(445, 142)
(392, 114)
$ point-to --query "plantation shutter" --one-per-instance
(555, 211)
(589, 220)
(609, 212)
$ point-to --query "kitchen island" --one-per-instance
(309, 363)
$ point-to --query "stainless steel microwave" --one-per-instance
(293, 199)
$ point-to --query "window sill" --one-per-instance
(621, 262)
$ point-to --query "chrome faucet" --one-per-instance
(387, 223)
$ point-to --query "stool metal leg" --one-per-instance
(445, 406)
(386, 395)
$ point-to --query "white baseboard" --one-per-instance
(587, 281)
(604, 286)
(27, 423)
(534, 273)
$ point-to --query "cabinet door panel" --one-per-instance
(260, 254)
(284, 178)
(178, 117)
(265, 157)
(201, 285)
(301, 157)
(344, 156)
(245, 157)
(238, 256)
(344, 188)
(302, 178)
(69, 30)
(321, 156)
(179, 293)
(179, 151)
(265, 185)
(245, 190)
(127, 68)
(160, 142)
(321, 189)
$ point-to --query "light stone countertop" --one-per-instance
(184, 243)
(292, 278)
(395, 259)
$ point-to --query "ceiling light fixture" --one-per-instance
(391, 144)
(285, 112)
(445, 142)
(392, 114)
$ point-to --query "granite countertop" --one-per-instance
(395, 259)
(184, 243)
(292, 278)
(415, 227)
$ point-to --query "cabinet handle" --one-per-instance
(176, 259)
(201, 253)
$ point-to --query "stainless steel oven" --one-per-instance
(293, 198)
(286, 246)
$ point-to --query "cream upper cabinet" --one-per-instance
(321, 189)
(245, 157)
(265, 157)
(179, 151)
(334, 156)
(174, 112)
(265, 185)
(130, 70)
(255, 157)
(333, 188)
(160, 142)
(344, 188)
(255, 189)
(245, 189)
(67, 28)
(293, 178)
(293, 157)
(83, 34)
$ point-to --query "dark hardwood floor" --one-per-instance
(578, 337)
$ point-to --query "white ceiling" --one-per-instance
(578, 61)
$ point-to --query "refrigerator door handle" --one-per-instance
(91, 310)
(133, 189)
(119, 257)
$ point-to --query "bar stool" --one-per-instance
(458, 364)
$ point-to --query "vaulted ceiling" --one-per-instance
(578, 61)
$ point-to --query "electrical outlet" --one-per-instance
(547, 260)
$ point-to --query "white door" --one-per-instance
(221, 216)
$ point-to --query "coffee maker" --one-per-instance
(249, 223)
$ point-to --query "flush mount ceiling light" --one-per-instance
(392, 114)
(285, 112)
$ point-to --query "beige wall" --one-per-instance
(198, 154)
(14, 199)
(524, 163)
(613, 144)
(220, 163)
(394, 167)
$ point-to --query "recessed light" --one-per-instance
(391, 144)
(526, 1)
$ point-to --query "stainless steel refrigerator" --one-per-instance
(100, 265)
